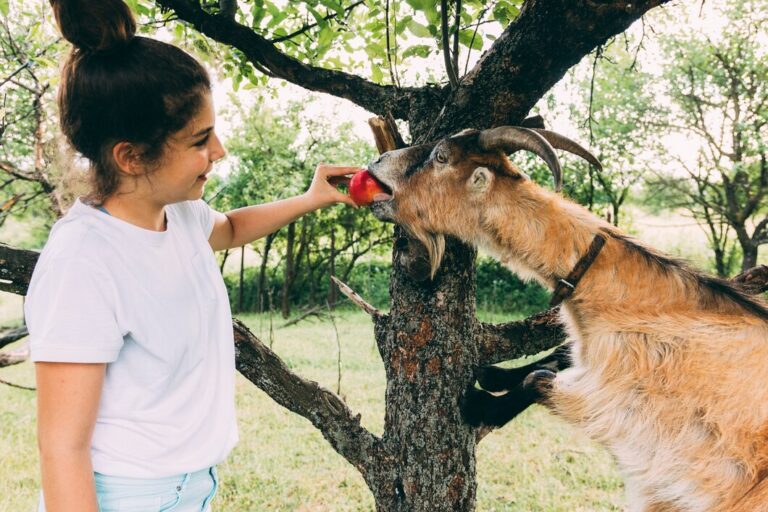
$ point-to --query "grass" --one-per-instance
(536, 463)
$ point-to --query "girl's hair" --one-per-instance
(117, 86)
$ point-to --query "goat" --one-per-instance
(665, 366)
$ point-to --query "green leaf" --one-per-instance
(376, 73)
(374, 50)
(334, 5)
(466, 37)
(419, 50)
(418, 29)
(318, 17)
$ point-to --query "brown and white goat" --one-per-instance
(668, 367)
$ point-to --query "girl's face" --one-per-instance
(189, 157)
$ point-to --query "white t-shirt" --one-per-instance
(154, 307)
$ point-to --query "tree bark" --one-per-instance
(260, 291)
(331, 299)
(241, 282)
(288, 274)
(749, 256)
(429, 360)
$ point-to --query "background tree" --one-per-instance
(617, 117)
(274, 156)
(30, 153)
(720, 103)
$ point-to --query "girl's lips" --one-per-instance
(203, 178)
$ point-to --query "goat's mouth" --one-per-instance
(386, 193)
(383, 202)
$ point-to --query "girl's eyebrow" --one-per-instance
(201, 132)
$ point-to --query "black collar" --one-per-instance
(564, 287)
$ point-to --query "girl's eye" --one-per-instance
(202, 141)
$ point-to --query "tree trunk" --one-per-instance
(720, 266)
(260, 291)
(332, 270)
(749, 257)
(223, 261)
(240, 287)
(288, 274)
(429, 335)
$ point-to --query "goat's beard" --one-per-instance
(435, 245)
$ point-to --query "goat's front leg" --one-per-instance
(482, 408)
(493, 378)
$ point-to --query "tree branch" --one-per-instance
(449, 69)
(502, 342)
(313, 25)
(14, 357)
(16, 267)
(531, 55)
(262, 53)
(327, 412)
(10, 335)
(754, 280)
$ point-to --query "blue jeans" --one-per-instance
(190, 492)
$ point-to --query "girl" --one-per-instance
(129, 319)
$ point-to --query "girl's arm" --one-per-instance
(244, 225)
(67, 402)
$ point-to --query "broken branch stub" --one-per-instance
(385, 134)
(355, 297)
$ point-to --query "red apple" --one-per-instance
(363, 188)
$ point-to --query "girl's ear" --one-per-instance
(127, 157)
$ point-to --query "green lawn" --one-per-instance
(537, 463)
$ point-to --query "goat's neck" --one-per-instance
(537, 233)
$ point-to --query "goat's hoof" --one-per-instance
(474, 406)
(493, 378)
(540, 382)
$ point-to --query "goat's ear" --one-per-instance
(480, 180)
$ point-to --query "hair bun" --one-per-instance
(94, 25)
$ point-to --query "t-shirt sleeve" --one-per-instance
(70, 312)
(204, 216)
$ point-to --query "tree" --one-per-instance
(430, 341)
(720, 102)
(30, 159)
(620, 112)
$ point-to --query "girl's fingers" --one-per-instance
(338, 170)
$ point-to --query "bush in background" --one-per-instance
(498, 289)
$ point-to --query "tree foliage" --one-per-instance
(719, 94)
(29, 146)
(275, 154)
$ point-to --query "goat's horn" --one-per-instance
(562, 142)
(513, 138)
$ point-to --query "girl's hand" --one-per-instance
(323, 192)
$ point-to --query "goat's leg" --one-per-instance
(493, 378)
(482, 408)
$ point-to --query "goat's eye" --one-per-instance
(440, 157)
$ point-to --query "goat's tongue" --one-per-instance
(381, 196)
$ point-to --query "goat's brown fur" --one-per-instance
(670, 367)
